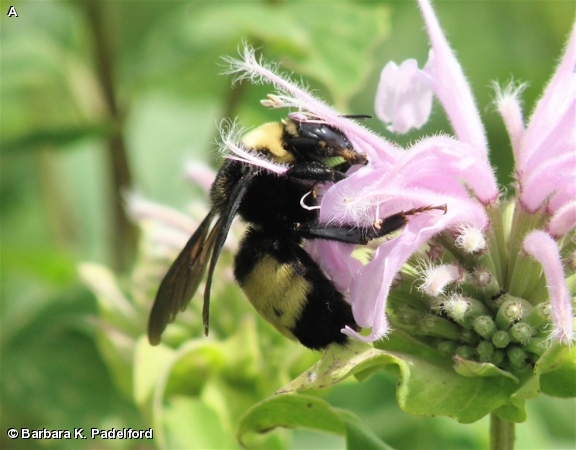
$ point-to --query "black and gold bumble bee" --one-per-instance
(277, 275)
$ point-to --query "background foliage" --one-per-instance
(98, 97)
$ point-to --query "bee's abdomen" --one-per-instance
(289, 290)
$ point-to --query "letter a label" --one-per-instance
(12, 12)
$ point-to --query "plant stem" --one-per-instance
(501, 433)
(123, 234)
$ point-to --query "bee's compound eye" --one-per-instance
(329, 136)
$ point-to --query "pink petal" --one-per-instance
(508, 104)
(450, 85)
(372, 285)
(543, 249)
(434, 170)
(556, 103)
(404, 97)
(370, 290)
(441, 163)
(200, 174)
(140, 209)
(336, 261)
(555, 176)
(564, 220)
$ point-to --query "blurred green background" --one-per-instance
(98, 98)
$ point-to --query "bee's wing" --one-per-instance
(182, 279)
(227, 215)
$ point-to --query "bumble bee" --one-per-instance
(278, 276)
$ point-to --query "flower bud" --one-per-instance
(406, 318)
(483, 278)
(446, 348)
(485, 351)
(456, 307)
(468, 336)
(521, 333)
(540, 316)
(501, 339)
(497, 357)
(464, 310)
(470, 240)
(437, 278)
(511, 311)
(517, 356)
(435, 326)
(537, 345)
(466, 352)
(485, 326)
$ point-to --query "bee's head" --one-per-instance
(311, 141)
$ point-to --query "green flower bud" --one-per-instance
(485, 351)
(540, 316)
(511, 311)
(486, 281)
(456, 307)
(485, 326)
(435, 326)
(521, 332)
(501, 339)
(408, 314)
(476, 309)
(405, 318)
(497, 357)
(446, 348)
(517, 356)
(537, 345)
(468, 336)
(466, 352)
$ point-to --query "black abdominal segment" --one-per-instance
(322, 311)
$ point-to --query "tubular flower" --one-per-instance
(503, 288)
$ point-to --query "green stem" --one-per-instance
(501, 433)
(123, 234)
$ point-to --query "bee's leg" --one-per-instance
(355, 235)
(315, 171)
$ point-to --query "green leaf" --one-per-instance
(341, 62)
(303, 411)
(290, 411)
(514, 412)
(242, 352)
(561, 381)
(182, 372)
(428, 386)
(194, 363)
(51, 370)
(468, 368)
(337, 363)
(58, 137)
(189, 423)
(358, 435)
(433, 387)
(116, 349)
(149, 364)
(114, 308)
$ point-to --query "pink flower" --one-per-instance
(452, 171)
